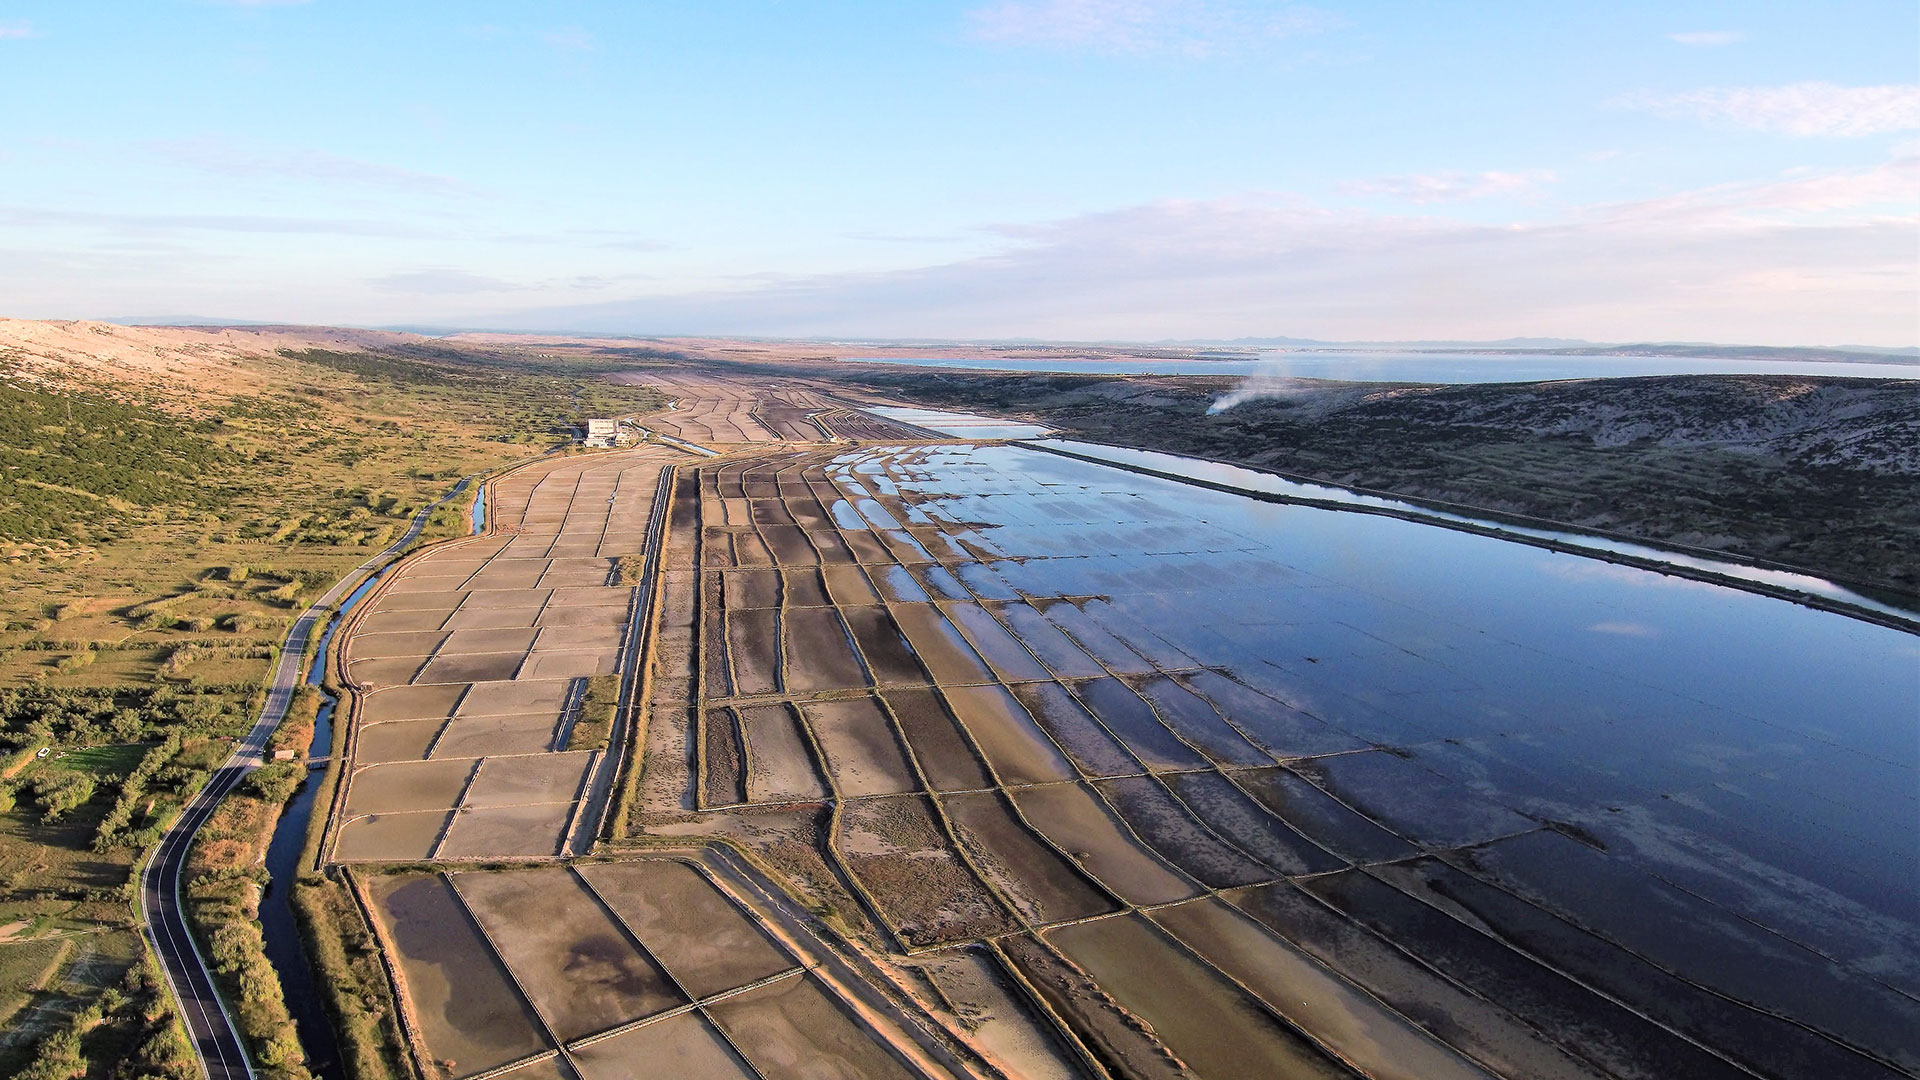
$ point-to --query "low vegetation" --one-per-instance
(594, 724)
(75, 996)
(346, 959)
(223, 885)
(85, 465)
(127, 1032)
(156, 539)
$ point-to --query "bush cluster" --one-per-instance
(155, 1048)
(72, 459)
(32, 716)
(60, 793)
(112, 831)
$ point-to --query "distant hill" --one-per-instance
(1577, 347)
(141, 352)
(178, 320)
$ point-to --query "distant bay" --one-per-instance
(1425, 367)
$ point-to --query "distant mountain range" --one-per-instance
(179, 320)
(1544, 345)
(1293, 342)
(1577, 347)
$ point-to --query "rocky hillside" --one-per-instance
(1871, 424)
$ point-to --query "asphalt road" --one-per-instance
(209, 1026)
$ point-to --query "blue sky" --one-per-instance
(1069, 169)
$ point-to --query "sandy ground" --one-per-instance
(141, 353)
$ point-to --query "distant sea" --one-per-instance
(1426, 367)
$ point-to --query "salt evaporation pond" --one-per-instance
(1727, 782)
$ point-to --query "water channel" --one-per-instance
(284, 948)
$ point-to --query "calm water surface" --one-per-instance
(1253, 480)
(1716, 754)
(960, 424)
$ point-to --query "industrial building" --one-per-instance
(600, 431)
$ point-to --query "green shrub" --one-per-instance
(71, 458)
(275, 782)
(112, 831)
(61, 793)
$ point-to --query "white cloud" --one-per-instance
(1801, 260)
(1709, 39)
(1192, 27)
(16, 30)
(1442, 187)
(1802, 197)
(1808, 108)
(227, 159)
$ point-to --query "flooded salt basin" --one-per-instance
(1532, 813)
(1531, 676)
(965, 425)
(1253, 481)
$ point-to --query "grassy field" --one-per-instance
(73, 976)
(155, 543)
(594, 725)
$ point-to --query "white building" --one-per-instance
(601, 431)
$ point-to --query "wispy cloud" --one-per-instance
(569, 39)
(1808, 108)
(441, 281)
(1889, 192)
(125, 224)
(1799, 260)
(1709, 39)
(1444, 187)
(1191, 27)
(228, 159)
(16, 30)
(633, 243)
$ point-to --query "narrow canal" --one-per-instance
(284, 948)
